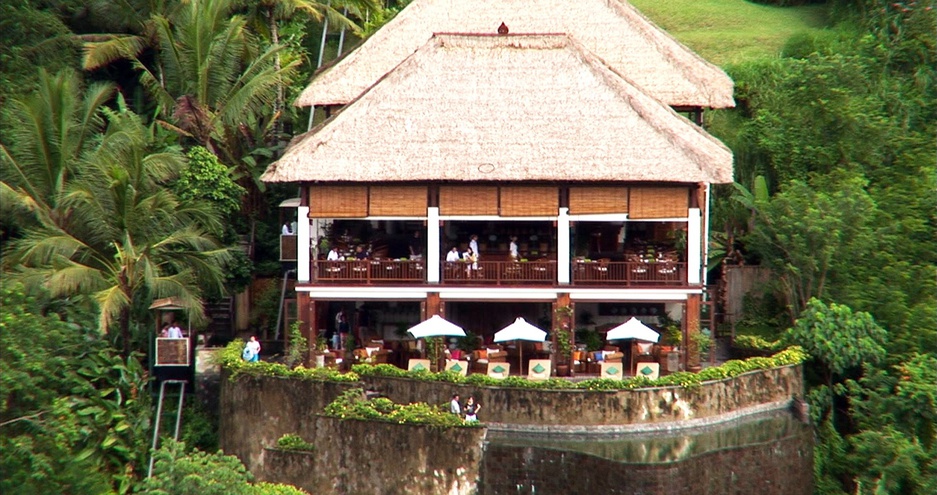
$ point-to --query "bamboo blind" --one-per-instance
(338, 201)
(586, 200)
(401, 201)
(468, 200)
(658, 202)
(528, 201)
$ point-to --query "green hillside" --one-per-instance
(730, 31)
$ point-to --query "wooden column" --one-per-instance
(692, 325)
(433, 306)
(306, 312)
(565, 322)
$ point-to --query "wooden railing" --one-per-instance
(499, 272)
(370, 271)
(628, 273)
(584, 273)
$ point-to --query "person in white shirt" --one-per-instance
(252, 350)
(473, 244)
(333, 255)
(513, 247)
(454, 406)
(174, 331)
(453, 255)
(286, 229)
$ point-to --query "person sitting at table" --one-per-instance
(333, 255)
(416, 246)
(360, 253)
(453, 255)
(286, 229)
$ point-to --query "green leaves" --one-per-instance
(73, 418)
(353, 405)
(837, 337)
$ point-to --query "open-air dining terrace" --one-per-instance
(584, 272)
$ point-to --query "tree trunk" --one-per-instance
(125, 333)
(278, 103)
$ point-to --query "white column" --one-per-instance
(694, 244)
(302, 244)
(707, 208)
(562, 246)
(432, 245)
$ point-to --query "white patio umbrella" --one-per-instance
(520, 330)
(633, 329)
(436, 326)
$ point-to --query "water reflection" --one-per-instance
(766, 454)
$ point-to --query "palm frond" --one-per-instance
(103, 52)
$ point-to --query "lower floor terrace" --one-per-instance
(370, 325)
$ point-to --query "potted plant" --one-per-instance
(563, 317)
(564, 351)
(703, 342)
(673, 337)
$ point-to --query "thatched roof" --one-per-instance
(612, 29)
(504, 108)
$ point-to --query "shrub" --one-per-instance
(756, 343)
(230, 359)
(292, 441)
(353, 405)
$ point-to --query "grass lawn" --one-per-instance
(725, 32)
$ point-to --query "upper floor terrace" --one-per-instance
(639, 236)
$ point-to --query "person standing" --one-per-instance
(285, 230)
(336, 335)
(454, 406)
(252, 350)
(343, 330)
(473, 244)
(471, 410)
(515, 254)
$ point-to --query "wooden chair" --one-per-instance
(612, 371)
(538, 369)
(418, 365)
(499, 370)
(456, 366)
(481, 358)
(648, 370)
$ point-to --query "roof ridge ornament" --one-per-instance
(503, 28)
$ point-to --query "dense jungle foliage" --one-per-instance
(133, 133)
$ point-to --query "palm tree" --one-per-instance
(116, 232)
(264, 16)
(49, 132)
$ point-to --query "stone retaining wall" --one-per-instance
(373, 457)
(256, 412)
(359, 456)
(621, 407)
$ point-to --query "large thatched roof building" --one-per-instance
(611, 29)
(508, 108)
(555, 150)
